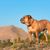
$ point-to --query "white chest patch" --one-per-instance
(31, 29)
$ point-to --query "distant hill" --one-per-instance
(12, 32)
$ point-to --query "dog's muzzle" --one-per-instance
(22, 21)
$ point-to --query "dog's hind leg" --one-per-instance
(45, 34)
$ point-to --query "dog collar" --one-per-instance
(29, 25)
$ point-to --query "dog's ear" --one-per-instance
(30, 17)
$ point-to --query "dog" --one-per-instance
(36, 26)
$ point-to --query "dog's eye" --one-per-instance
(24, 18)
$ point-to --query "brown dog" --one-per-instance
(35, 26)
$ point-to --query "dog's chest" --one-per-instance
(31, 29)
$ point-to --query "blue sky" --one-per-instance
(11, 11)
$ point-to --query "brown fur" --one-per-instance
(35, 26)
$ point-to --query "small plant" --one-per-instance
(9, 43)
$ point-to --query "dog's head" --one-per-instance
(26, 19)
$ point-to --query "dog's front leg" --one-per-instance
(37, 39)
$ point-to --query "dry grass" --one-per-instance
(23, 45)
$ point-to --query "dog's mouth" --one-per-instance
(27, 24)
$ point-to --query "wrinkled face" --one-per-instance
(26, 19)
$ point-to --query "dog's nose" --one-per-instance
(21, 19)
